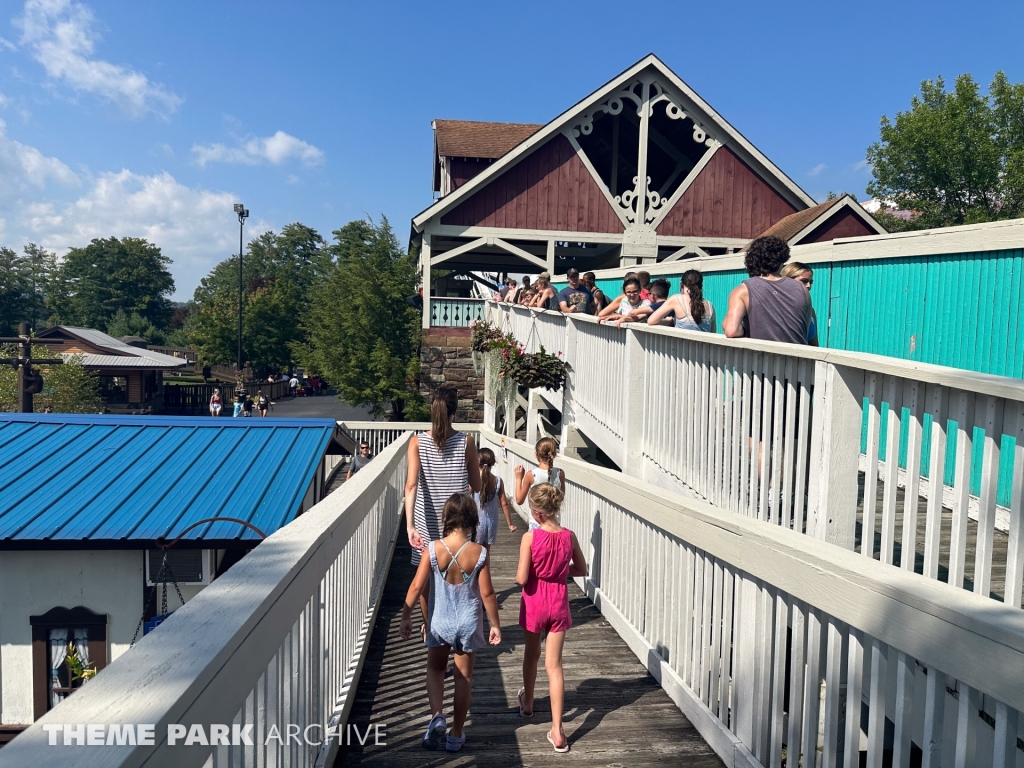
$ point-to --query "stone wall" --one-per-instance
(446, 359)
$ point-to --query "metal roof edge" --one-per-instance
(166, 421)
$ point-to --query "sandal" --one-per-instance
(435, 732)
(453, 744)
(559, 749)
(522, 709)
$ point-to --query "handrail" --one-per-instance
(227, 655)
(722, 608)
(853, 448)
(982, 383)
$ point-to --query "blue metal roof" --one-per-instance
(110, 480)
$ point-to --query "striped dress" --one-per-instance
(442, 473)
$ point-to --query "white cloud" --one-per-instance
(61, 36)
(275, 149)
(7, 44)
(24, 168)
(861, 165)
(44, 201)
(4, 101)
(817, 169)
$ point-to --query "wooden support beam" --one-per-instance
(515, 250)
(425, 269)
(464, 248)
(688, 250)
(551, 257)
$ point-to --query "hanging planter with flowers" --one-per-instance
(510, 364)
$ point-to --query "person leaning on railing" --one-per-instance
(629, 307)
(766, 305)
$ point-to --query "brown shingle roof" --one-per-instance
(470, 138)
(789, 226)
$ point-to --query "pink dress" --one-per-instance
(545, 602)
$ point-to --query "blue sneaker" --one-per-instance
(435, 733)
(453, 744)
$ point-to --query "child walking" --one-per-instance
(460, 593)
(546, 450)
(490, 497)
(547, 556)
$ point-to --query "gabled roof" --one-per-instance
(728, 135)
(471, 138)
(109, 347)
(794, 227)
(122, 481)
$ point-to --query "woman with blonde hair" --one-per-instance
(440, 463)
(803, 274)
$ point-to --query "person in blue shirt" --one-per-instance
(576, 296)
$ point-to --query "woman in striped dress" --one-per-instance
(440, 462)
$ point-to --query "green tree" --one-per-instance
(67, 388)
(106, 276)
(956, 157)
(40, 271)
(123, 324)
(279, 272)
(361, 333)
(15, 292)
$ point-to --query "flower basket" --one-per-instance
(537, 370)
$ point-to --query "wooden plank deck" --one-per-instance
(615, 713)
(999, 543)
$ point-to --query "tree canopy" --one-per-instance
(278, 273)
(955, 157)
(362, 335)
(92, 284)
(25, 281)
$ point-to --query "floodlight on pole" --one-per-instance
(243, 214)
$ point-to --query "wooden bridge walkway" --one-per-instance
(616, 714)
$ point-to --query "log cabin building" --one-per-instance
(641, 171)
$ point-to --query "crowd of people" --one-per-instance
(452, 503)
(772, 304)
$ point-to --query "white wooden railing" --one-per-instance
(278, 640)
(775, 432)
(778, 647)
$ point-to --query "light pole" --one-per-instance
(243, 214)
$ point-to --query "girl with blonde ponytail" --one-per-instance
(546, 472)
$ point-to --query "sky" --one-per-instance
(151, 119)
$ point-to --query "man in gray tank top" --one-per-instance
(768, 306)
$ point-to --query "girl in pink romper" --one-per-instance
(548, 555)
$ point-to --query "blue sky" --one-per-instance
(151, 118)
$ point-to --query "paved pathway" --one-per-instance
(616, 714)
(321, 406)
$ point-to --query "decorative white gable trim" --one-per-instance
(685, 100)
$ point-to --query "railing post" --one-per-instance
(633, 406)
(568, 403)
(835, 451)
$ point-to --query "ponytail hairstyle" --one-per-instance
(442, 411)
(460, 513)
(693, 283)
(546, 499)
(486, 462)
(547, 449)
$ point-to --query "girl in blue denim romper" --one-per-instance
(462, 591)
